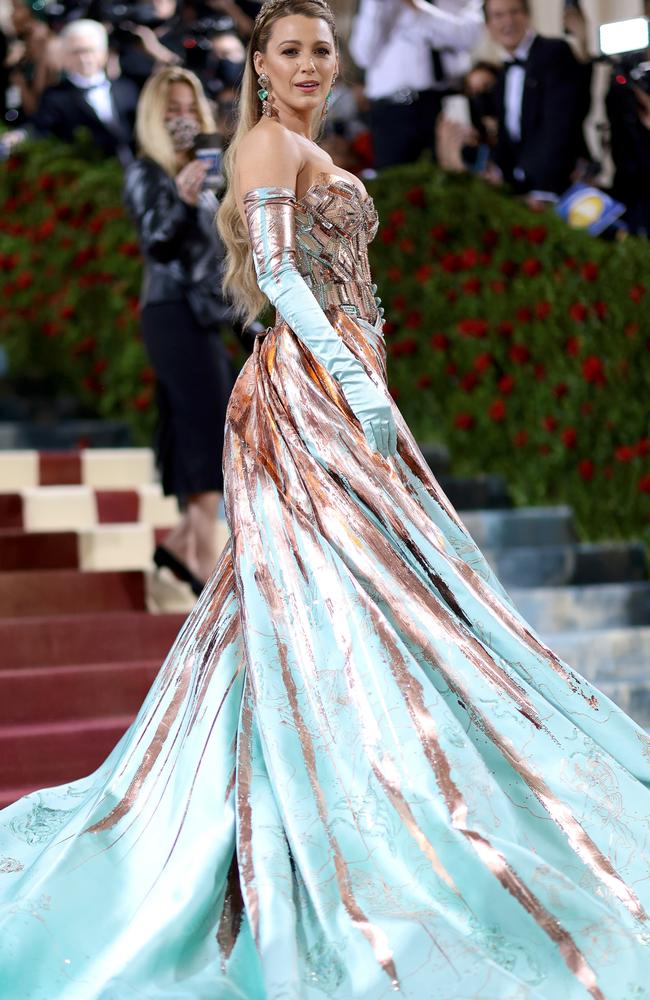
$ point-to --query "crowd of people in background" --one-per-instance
(411, 86)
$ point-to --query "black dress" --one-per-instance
(182, 311)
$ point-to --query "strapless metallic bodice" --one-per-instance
(335, 223)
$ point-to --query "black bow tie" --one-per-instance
(516, 62)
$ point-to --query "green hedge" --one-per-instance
(523, 346)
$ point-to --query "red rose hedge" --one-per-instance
(521, 345)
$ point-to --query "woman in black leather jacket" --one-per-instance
(181, 311)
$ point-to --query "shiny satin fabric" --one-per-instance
(359, 774)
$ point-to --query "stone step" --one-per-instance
(524, 526)
(54, 694)
(101, 468)
(68, 640)
(632, 695)
(476, 493)
(68, 508)
(63, 435)
(605, 654)
(561, 565)
(39, 755)
(24, 594)
(564, 609)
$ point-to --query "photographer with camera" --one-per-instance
(148, 37)
(182, 309)
(628, 110)
(402, 46)
(86, 97)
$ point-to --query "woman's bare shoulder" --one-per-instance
(270, 155)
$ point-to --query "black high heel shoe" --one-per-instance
(162, 557)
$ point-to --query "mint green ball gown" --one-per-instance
(359, 773)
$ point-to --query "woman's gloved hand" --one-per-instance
(270, 215)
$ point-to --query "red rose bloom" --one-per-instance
(560, 390)
(469, 382)
(543, 310)
(519, 354)
(631, 330)
(407, 246)
(469, 258)
(508, 268)
(643, 447)
(416, 197)
(505, 329)
(644, 484)
(590, 271)
(482, 362)
(450, 263)
(464, 421)
(476, 328)
(624, 453)
(451, 295)
(394, 274)
(520, 439)
(439, 342)
(423, 273)
(524, 314)
(586, 470)
(578, 312)
(637, 292)
(537, 235)
(423, 381)
(497, 410)
(387, 236)
(498, 287)
(472, 286)
(572, 346)
(531, 267)
(549, 424)
(506, 385)
(413, 320)
(593, 370)
(439, 233)
(397, 217)
(569, 437)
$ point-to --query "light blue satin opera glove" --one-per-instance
(270, 213)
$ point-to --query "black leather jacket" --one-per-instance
(181, 247)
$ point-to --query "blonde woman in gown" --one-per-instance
(359, 773)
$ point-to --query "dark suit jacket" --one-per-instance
(63, 109)
(555, 105)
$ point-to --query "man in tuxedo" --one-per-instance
(540, 101)
(407, 48)
(86, 98)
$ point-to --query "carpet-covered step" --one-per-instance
(61, 508)
(25, 593)
(40, 754)
(65, 640)
(525, 526)
(476, 492)
(107, 547)
(54, 694)
(561, 565)
(564, 609)
(101, 468)
(604, 654)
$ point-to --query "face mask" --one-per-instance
(183, 132)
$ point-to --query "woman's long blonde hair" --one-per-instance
(152, 137)
(239, 280)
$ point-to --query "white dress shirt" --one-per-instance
(97, 92)
(515, 82)
(393, 42)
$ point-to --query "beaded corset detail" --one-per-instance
(335, 222)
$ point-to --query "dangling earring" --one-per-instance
(264, 94)
(328, 99)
